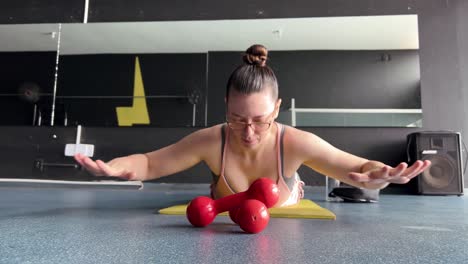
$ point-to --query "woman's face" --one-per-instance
(250, 116)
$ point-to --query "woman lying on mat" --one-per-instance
(251, 145)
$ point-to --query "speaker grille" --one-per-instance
(441, 173)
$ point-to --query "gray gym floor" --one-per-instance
(92, 225)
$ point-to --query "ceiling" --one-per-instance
(322, 33)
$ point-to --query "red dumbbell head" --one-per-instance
(252, 216)
(201, 211)
(264, 190)
(233, 213)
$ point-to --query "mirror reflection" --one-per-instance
(28, 55)
(332, 71)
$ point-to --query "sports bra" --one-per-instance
(291, 188)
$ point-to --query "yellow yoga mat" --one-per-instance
(304, 209)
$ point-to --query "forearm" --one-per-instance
(150, 166)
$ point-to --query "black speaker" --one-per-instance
(443, 149)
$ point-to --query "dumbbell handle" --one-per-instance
(263, 189)
(229, 202)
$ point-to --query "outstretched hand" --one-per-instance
(400, 174)
(113, 168)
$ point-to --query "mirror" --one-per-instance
(332, 71)
(337, 71)
(28, 53)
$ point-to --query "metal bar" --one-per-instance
(293, 112)
(34, 115)
(39, 118)
(19, 94)
(52, 113)
(194, 114)
(73, 184)
(121, 96)
(60, 165)
(206, 88)
(106, 96)
(86, 8)
(361, 110)
(78, 135)
(40, 164)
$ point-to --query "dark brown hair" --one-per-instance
(254, 75)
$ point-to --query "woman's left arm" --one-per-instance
(328, 160)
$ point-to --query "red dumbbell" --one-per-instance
(270, 203)
(202, 210)
(252, 216)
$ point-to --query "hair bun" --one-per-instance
(256, 55)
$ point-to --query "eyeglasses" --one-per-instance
(256, 126)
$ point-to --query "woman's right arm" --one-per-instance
(174, 158)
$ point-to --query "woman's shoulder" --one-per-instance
(208, 134)
(296, 132)
(212, 130)
(298, 138)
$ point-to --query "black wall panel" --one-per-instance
(17, 69)
(327, 79)
(148, 10)
(105, 77)
(443, 56)
(41, 11)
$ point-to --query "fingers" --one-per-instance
(359, 177)
(424, 165)
(399, 180)
(398, 170)
(78, 159)
(413, 169)
(130, 176)
(381, 173)
(401, 174)
(417, 168)
(109, 170)
(88, 164)
(106, 169)
(101, 168)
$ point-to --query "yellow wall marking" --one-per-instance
(138, 112)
